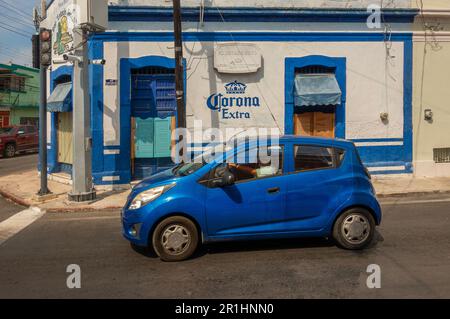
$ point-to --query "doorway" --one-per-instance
(153, 109)
(315, 124)
(65, 137)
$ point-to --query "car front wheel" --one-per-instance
(354, 229)
(10, 150)
(175, 239)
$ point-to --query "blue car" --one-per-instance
(298, 187)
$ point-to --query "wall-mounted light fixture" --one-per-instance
(428, 115)
(384, 116)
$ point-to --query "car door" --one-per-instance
(33, 137)
(315, 183)
(22, 138)
(252, 205)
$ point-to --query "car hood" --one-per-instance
(162, 178)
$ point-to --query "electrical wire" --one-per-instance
(15, 20)
(16, 32)
(13, 8)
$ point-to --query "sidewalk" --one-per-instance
(22, 188)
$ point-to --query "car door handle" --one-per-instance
(273, 190)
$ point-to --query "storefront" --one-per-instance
(303, 72)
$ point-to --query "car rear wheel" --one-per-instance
(10, 150)
(175, 239)
(354, 229)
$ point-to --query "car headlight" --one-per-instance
(148, 196)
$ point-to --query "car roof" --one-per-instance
(300, 139)
(315, 140)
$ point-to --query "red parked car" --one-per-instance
(18, 138)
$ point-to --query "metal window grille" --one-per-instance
(316, 69)
(441, 155)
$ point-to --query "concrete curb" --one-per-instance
(83, 209)
(23, 202)
(15, 199)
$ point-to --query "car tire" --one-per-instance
(175, 239)
(354, 229)
(10, 150)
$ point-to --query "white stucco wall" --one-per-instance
(374, 85)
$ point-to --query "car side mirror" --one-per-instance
(20, 132)
(228, 178)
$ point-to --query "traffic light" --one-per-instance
(45, 37)
(36, 51)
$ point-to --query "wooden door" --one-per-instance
(314, 124)
(64, 136)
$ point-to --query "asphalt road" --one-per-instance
(412, 248)
(18, 164)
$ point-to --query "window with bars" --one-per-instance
(315, 69)
(441, 155)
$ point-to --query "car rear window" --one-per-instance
(311, 157)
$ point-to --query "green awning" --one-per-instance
(61, 98)
(317, 90)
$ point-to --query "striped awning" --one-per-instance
(61, 98)
(317, 90)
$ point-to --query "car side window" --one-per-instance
(308, 157)
(260, 163)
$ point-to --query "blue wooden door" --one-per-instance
(145, 138)
(162, 135)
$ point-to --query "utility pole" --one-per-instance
(179, 68)
(179, 76)
(82, 185)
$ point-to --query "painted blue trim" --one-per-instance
(249, 14)
(95, 51)
(363, 140)
(53, 165)
(252, 36)
(126, 65)
(390, 172)
(407, 101)
(387, 163)
(291, 64)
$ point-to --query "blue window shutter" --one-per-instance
(162, 137)
(165, 97)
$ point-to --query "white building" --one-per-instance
(303, 67)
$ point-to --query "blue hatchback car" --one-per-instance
(315, 187)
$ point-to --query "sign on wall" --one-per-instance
(234, 103)
(237, 58)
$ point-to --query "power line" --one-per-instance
(17, 10)
(17, 31)
(12, 51)
(16, 20)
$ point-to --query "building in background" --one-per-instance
(318, 71)
(19, 95)
(431, 103)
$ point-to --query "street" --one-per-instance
(17, 164)
(411, 248)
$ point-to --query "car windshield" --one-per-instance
(185, 169)
(6, 130)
